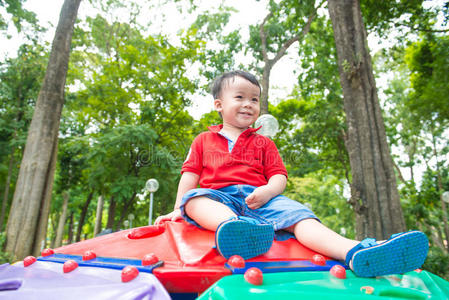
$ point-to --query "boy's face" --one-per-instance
(238, 102)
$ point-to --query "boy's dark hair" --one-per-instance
(217, 85)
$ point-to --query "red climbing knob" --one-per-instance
(338, 271)
(88, 255)
(29, 260)
(129, 273)
(236, 261)
(254, 276)
(47, 252)
(149, 259)
(319, 260)
(69, 266)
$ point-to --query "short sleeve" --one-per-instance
(194, 160)
(272, 161)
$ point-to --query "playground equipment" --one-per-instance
(179, 261)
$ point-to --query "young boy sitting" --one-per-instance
(242, 176)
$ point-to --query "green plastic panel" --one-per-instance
(323, 285)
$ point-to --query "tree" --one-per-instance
(28, 217)
(20, 83)
(18, 13)
(427, 61)
(286, 23)
(374, 193)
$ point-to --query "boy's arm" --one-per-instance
(187, 182)
(261, 195)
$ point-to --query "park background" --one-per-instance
(136, 94)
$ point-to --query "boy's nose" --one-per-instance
(247, 103)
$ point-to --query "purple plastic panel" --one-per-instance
(284, 266)
(46, 280)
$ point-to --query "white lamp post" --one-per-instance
(270, 125)
(151, 186)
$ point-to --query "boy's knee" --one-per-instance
(304, 222)
(192, 204)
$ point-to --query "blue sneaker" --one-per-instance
(402, 252)
(243, 236)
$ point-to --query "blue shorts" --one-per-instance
(280, 211)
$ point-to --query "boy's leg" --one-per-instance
(234, 235)
(208, 213)
(401, 253)
(316, 236)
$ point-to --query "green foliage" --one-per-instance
(286, 20)
(404, 17)
(324, 195)
(5, 257)
(17, 13)
(218, 49)
(415, 124)
(312, 121)
(125, 119)
(428, 61)
(20, 80)
(437, 262)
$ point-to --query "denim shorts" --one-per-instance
(280, 211)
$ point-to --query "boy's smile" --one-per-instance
(238, 104)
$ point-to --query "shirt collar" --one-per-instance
(217, 128)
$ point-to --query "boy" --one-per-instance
(242, 176)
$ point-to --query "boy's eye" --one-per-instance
(255, 100)
(238, 97)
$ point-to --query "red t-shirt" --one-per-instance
(253, 159)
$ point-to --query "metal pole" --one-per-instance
(151, 209)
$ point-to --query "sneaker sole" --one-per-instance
(242, 238)
(403, 253)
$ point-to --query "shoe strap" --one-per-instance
(366, 243)
(249, 220)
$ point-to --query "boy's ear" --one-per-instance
(218, 105)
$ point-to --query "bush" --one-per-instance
(437, 262)
(5, 257)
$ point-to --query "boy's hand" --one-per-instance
(173, 216)
(258, 197)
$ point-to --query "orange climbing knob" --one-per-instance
(129, 273)
(254, 276)
(88, 255)
(319, 260)
(338, 271)
(47, 252)
(236, 261)
(149, 259)
(29, 260)
(69, 266)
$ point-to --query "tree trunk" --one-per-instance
(28, 216)
(265, 87)
(83, 217)
(97, 228)
(111, 214)
(6, 192)
(441, 190)
(269, 63)
(374, 193)
(125, 209)
(70, 232)
(61, 223)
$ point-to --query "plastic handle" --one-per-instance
(10, 284)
